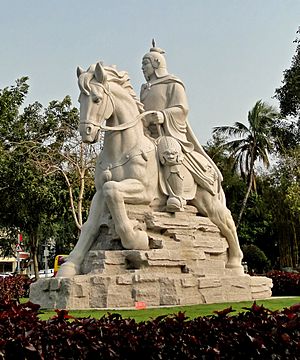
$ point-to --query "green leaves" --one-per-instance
(289, 98)
(42, 164)
(250, 143)
(247, 144)
(289, 93)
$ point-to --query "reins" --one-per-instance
(124, 126)
(120, 127)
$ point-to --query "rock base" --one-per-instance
(123, 291)
(185, 265)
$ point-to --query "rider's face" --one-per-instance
(147, 69)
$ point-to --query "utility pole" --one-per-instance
(46, 254)
(18, 262)
(19, 249)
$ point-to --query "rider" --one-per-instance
(165, 95)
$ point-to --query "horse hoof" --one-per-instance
(236, 269)
(141, 240)
(138, 240)
(68, 269)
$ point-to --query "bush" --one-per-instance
(258, 333)
(256, 259)
(14, 287)
(285, 283)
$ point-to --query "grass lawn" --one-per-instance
(190, 311)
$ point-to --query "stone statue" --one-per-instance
(165, 94)
(149, 157)
(158, 230)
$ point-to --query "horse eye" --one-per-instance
(96, 99)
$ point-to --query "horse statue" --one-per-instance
(127, 169)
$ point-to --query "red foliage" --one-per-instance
(13, 288)
(224, 312)
(257, 333)
(62, 315)
(285, 283)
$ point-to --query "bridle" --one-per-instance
(102, 109)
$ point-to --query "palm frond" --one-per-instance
(238, 130)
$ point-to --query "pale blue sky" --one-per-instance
(229, 53)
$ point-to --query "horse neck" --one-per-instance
(118, 142)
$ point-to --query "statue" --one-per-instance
(150, 155)
(165, 94)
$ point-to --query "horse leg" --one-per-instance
(216, 210)
(116, 194)
(89, 232)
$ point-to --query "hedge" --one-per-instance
(257, 333)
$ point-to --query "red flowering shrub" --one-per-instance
(13, 288)
(258, 333)
(285, 283)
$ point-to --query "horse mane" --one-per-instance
(113, 75)
(122, 78)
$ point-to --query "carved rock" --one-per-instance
(184, 265)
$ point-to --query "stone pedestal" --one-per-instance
(185, 265)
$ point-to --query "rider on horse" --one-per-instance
(165, 94)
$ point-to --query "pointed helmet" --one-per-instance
(158, 61)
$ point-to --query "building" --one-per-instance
(10, 264)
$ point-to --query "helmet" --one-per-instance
(158, 61)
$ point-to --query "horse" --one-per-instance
(127, 169)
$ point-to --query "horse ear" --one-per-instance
(100, 73)
(79, 71)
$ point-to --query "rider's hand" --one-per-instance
(156, 117)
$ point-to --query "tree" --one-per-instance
(289, 93)
(233, 185)
(29, 199)
(256, 225)
(252, 145)
(256, 259)
(61, 151)
(286, 177)
(289, 99)
(285, 203)
(36, 147)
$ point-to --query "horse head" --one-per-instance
(96, 103)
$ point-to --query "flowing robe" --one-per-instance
(167, 94)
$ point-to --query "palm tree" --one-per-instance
(249, 144)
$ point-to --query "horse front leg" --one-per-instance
(89, 233)
(116, 194)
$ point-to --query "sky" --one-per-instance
(228, 53)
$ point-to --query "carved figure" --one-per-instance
(127, 170)
(165, 95)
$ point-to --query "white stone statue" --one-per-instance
(148, 157)
(166, 95)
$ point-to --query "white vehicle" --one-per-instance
(3, 275)
(49, 273)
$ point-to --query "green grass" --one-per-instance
(190, 311)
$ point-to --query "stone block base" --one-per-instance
(185, 264)
(123, 291)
